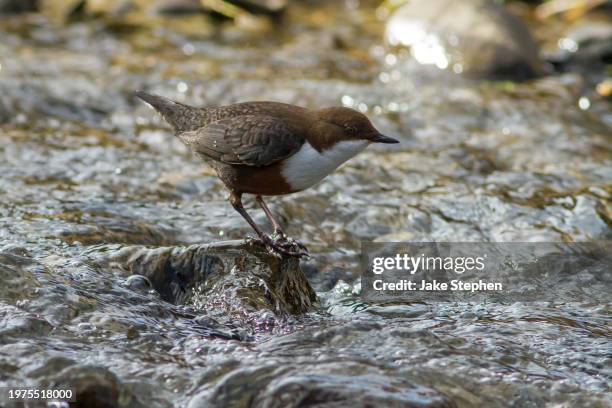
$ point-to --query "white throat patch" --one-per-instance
(307, 167)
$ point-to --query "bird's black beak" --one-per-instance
(384, 139)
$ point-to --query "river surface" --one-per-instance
(86, 169)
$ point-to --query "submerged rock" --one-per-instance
(94, 386)
(347, 384)
(18, 280)
(15, 323)
(475, 37)
(220, 278)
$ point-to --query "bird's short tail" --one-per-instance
(181, 117)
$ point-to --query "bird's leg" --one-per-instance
(278, 230)
(235, 200)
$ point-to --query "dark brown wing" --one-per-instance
(250, 140)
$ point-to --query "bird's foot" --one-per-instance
(289, 242)
(279, 235)
(283, 240)
(281, 245)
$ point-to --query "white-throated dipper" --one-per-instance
(269, 148)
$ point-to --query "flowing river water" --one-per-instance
(87, 169)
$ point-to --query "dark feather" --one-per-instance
(250, 140)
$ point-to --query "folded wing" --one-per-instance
(250, 140)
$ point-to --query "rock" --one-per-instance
(228, 277)
(138, 283)
(586, 44)
(60, 11)
(184, 7)
(15, 323)
(5, 114)
(93, 386)
(18, 281)
(178, 7)
(347, 384)
(17, 6)
(118, 230)
(568, 9)
(474, 37)
(262, 6)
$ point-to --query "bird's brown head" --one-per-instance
(353, 125)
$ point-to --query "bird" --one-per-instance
(268, 149)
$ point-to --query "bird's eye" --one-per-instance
(350, 128)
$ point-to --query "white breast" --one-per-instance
(307, 167)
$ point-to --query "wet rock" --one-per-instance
(60, 11)
(346, 384)
(587, 45)
(569, 10)
(109, 230)
(476, 37)
(178, 7)
(17, 6)
(113, 8)
(18, 282)
(50, 366)
(94, 387)
(223, 277)
(262, 6)
(5, 114)
(139, 283)
(185, 7)
(14, 323)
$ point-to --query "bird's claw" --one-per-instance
(280, 237)
(282, 245)
(290, 244)
(286, 246)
